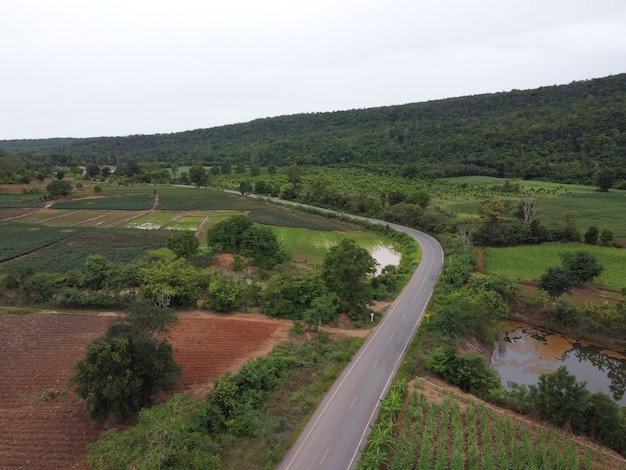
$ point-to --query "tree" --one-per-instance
(560, 399)
(346, 270)
(528, 209)
(260, 243)
(59, 189)
(294, 175)
(183, 243)
(591, 235)
(555, 281)
(606, 236)
(96, 272)
(604, 179)
(166, 284)
(123, 370)
(245, 186)
(93, 169)
(227, 234)
(493, 212)
(577, 268)
(198, 175)
(582, 265)
(323, 310)
(419, 197)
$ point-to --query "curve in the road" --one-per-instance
(339, 427)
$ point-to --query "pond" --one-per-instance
(385, 256)
(523, 352)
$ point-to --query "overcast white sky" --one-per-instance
(81, 68)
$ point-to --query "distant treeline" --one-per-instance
(560, 133)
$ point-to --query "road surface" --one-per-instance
(339, 427)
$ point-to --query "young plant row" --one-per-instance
(453, 434)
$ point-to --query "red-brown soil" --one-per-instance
(44, 423)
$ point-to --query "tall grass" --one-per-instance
(530, 262)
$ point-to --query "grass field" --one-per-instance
(311, 246)
(530, 262)
(587, 207)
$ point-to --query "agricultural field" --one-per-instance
(311, 246)
(117, 245)
(203, 199)
(449, 430)
(152, 220)
(585, 206)
(20, 200)
(530, 262)
(16, 213)
(136, 202)
(45, 424)
(19, 239)
(279, 215)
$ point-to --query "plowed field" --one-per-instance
(43, 423)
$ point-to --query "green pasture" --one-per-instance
(530, 262)
(311, 246)
(555, 202)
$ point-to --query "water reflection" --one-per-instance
(385, 256)
(524, 352)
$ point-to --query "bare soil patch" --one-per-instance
(44, 423)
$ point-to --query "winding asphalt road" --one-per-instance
(339, 427)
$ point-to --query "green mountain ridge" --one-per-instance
(561, 133)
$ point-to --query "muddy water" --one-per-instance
(385, 256)
(523, 352)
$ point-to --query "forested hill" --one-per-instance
(562, 133)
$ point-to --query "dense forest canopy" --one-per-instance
(561, 133)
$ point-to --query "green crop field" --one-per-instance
(21, 200)
(530, 262)
(118, 245)
(454, 434)
(18, 238)
(203, 199)
(279, 215)
(311, 246)
(140, 201)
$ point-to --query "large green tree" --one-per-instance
(198, 175)
(227, 234)
(59, 189)
(123, 370)
(347, 271)
(166, 284)
(183, 243)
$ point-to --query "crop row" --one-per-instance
(444, 435)
(20, 200)
(118, 245)
(273, 214)
(18, 238)
(140, 201)
(202, 199)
